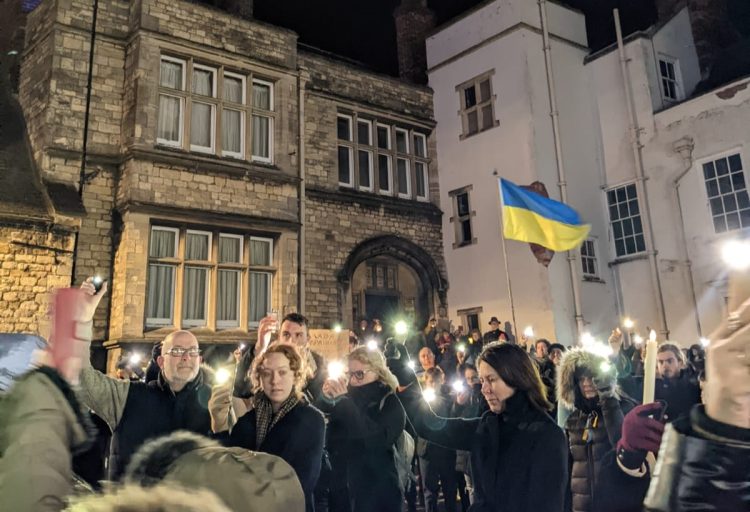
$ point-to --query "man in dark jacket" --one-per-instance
(137, 412)
(494, 334)
(586, 383)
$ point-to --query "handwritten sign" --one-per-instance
(329, 343)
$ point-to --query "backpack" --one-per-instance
(403, 453)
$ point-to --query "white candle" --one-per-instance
(649, 369)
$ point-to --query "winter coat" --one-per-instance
(137, 412)
(519, 458)
(593, 428)
(297, 438)
(41, 425)
(365, 433)
(430, 451)
(681, 394)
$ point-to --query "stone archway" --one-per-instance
(432, 283)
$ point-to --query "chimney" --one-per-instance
(242, 8)
(712, 30)
(414, 20)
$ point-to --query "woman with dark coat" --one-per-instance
(519, 456)
(366, 420)
(280, 421)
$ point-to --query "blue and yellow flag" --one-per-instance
(530, 217)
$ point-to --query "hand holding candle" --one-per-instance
(649, 369)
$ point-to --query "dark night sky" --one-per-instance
(364, 30)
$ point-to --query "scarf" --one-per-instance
(265, 419)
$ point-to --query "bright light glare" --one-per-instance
(401, 328)
(372, 345)
(458, 386)
(461, 347)
(590, 344)
(628, 323)
(222, 376)
(135, 358)
(705, 342)
(652, 335)
(242, 346)
(528, 332)
(587, 339)
(736, 254)
(335, 370)
(605, 366)
(638, 339)
(411, 365)
(429, 395)
(337, 328)
(97, 280)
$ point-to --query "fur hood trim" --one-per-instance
(566, 381)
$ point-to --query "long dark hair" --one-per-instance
(517, 370)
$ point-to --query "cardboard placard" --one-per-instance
(329, 343)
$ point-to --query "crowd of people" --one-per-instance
(440, 419)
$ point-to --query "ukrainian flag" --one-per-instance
(530, 217)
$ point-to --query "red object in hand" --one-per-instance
(640, 432)
(65, 311)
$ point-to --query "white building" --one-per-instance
(487, 70)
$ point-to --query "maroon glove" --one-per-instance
(640, 434)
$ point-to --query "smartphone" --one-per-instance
(98, 282)
(661, 413)
(65, 305)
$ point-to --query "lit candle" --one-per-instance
(649, 369)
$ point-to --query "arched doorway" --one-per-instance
(389, 277)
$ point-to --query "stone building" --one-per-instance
(229, 171)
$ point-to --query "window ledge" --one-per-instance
(465, 244)
(592, 279)
(628, 259)
(465, 136)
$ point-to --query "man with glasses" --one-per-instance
(136, 412)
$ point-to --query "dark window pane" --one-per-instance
(473, 122)
(742, 200)
(708, 170)
(402, 170)
(722, 167)
(421, 177)
(487, 120)
(730, 203)
(623, 210)
(663, 68)
(725, 185)
(383, 137)
(627, 227)
(462, 204)
(633, 205)
(719, 224)
(617, 228)
(342, 128)
(640, 243)
(401, 145)
(484, 90)
(632, 194)
(630, 245)
(733, 221)
(745, 218)
(738, 180)
(672, 91)
(470, 97)
(735, 163)
(717, 207)
(637, 226)
(466, 231)
(712, 188)
(621, 195)
(611, 197)
(620, 247)
(363, 133)
(419, 148)
(384, 175)
(364, 169)
(344, 165)
(613, 215)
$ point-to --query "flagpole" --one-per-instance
(507, 273)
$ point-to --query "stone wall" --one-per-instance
(34, 262)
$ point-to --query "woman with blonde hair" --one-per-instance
(280, 421)
(366, 420)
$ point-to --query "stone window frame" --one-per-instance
(726, 191)
(218, 105)
(458, 220)
(669, 82)
(464, 314)
(465, 111)
(420, 162)
(589, 259)
(624, 211)
(389, 154)
(178, 262)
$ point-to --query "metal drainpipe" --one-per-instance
(301, 193)
(635, 140)
(84, 149)
(561, 183)
(685, 148)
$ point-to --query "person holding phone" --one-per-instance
(138, 411)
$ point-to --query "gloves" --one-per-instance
(640, 434)
(403, 373)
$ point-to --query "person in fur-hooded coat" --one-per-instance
(587, 383)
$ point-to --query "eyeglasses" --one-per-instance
(179, 352)
(359, 375)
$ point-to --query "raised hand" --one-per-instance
(91, 299)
